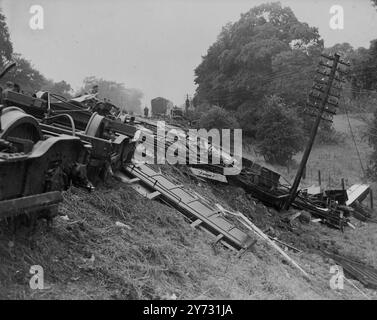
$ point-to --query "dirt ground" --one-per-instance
(115, 244)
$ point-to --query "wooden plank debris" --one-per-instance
(357, 192)
(247, 223)
(209, 175)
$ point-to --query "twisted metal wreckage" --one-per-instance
(48, 143)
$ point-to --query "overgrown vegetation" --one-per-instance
(128, 99)
(279, 132)
(242, 65)
(218, 118)
(268, 51)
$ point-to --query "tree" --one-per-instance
(61, 88)
(344, 49)
(300, 69)
(24, 74)
(370, 67)
(248, 115)
(279, 135)
(363, 70)
(6, 48)
(363, 65)
(267, 43)
(218, 118)
(128, 99)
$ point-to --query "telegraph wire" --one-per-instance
(353, 137)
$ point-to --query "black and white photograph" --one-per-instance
(188, 154)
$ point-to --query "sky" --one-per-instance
(153, 45)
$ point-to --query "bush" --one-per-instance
(203, 108)
(360, 104)
(218, 118)
(328, 136)
(248, 115)
(279, 132)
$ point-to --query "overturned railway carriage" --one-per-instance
(34, 167)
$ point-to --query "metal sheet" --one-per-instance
(192, 207)
(357, 192)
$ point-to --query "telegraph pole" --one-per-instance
(324, 97)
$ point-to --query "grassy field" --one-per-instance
(157, 255)
(340, 161)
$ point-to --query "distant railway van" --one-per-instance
(161, 107)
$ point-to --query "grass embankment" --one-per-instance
(158, 255)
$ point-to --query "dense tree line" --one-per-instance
(6, 47)
(128, 99)
(241, 67)
(24, 74)
(267, 61)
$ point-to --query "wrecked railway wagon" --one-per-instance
(110, 140)
(54, 105)
(34, 167)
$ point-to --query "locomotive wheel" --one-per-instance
(95, 126)
(15, 123)
(128, 152)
